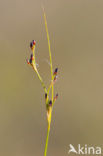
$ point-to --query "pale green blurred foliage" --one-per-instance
(76, 34)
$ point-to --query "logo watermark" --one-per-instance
(85, 149)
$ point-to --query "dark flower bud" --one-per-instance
(50, 103)
(30, 61)
(32, 57)
(45, 96)
(55, 71)
(56, 96)
(31, 45)
(33, 42)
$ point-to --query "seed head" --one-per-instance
(32, 44)
(32, 57)
(50, 103)
(45, 96)
(55, 98)
(55, 71)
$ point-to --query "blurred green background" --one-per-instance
(76, 34)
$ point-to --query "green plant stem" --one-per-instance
(46, 145)
(49, 122)
(41, 80)
(46, 27)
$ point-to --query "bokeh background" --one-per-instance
(76, 34)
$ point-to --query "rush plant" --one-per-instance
(48, 102)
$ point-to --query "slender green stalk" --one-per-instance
(35, 68)
(49, 120)
(43, 85)
(46, 27)
(46, 145)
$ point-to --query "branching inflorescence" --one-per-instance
(49, 102)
